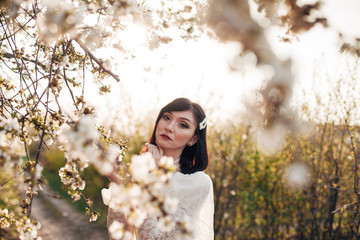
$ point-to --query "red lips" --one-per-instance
(166, 137)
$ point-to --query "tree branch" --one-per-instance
(345, 206)
(100, 63)
(9, 56)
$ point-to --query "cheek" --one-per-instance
(184, 136)
(159, 126)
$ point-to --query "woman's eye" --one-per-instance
(184, 125)
(166, 117)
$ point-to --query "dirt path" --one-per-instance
(60, 221)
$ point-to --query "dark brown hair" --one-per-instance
(193, 158)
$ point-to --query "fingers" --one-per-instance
(161, 150)
(114, 177)
(156, 152)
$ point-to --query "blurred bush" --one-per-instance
(9, 199)
(53, 160)
(304, 191)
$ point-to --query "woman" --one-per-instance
(180, 133)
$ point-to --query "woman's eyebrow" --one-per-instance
(186, 119)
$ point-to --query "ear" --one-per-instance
(193, 140)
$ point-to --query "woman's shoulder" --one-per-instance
(192, 189)
(202, 176)
(198, 174)
(198, 178)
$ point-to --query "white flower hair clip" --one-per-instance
(203, 124)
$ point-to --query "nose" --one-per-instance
(170, 126)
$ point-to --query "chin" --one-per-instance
(160, 143)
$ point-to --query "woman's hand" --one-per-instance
(114, 177)
(156, 152)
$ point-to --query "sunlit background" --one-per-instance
(215, 75)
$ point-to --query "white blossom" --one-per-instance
(127, 236)
(105, 168)
(79, 141)
(275, 95)
(11, 124)
(166, 223)
(166, 162)
(297, 175)
(141, 165)
(38, 171)
(64, 62)
(28, 230)
(11, 148)
(94, 217)
(148, 195)
(106, 164)
(271, 139)
(75, 196)
(116, 230)
(3, 139)
(82, 185)
(189, 226)
(170, 204)
(4, 219)
(69, 175)
(59, 18)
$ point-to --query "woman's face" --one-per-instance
(175, 130)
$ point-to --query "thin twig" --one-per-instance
(69, 88)
(48, 194)
(355, 160)
(100, 63)
(2, 184)
(83, 86)
(338, 189)
(345, 206)
(9, 56)
(47, 90)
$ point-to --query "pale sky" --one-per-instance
(201, 69)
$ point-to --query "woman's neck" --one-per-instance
(175, 154)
